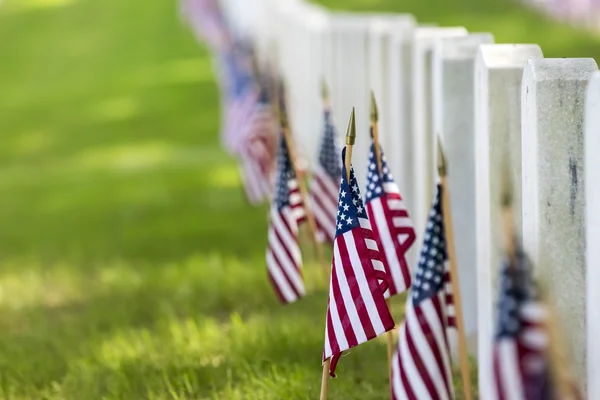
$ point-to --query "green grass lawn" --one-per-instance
(130, 265)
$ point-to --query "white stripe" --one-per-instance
(348, 300)
(391, 187)
(509, 370)
(327, 349)
(400, 222)
(413, 375)
(292, 184)
(389, 248)
(438, 333)
(371, 244)
(365, 224)
(279, 279)
(424, 349)
(363, 285)
(378, 265)
(295, 199)
(535, 338)
(533, 312)
(396, 205)
(285, 234)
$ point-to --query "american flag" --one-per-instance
(421, 366)
(520, 364)
(258, 153)
(325, 186)
(356, 311)
(243, 95)
(284, 260)
(391, 223)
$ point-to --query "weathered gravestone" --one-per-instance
(498, 74)
(552, 104)
(423, 168)
(453, 109)
(351, 86)
(380, 74)
(592, 233)
(399, 67)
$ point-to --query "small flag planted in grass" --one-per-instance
(391, 223)
(325, 186)
(357, 311)
(421, 367)
(284, 260)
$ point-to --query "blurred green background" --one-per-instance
(131, 266)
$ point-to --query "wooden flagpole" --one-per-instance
(350, 139)
(302, 188)
(449, 233)
(556, 350)
(375, 130)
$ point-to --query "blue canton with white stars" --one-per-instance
(516, 287)
(429, 277)
(328, 156)
(374, 180)
(350, 205)
(284, 175)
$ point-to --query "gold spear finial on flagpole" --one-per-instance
(350, 139)
(441, 159)
(375, 132)
(324, 90)
(449, 233)
(374, 110)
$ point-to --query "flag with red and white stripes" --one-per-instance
(325, 184)
(258, 151)
(421, 366)
(520, 362)
(392, 226)
(284, 260)
(357, 311)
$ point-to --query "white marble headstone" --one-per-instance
(453, 110)
(423, 169)
(498, 74)
(592, 223)
(552, 104)
(351, 85)
(383, 76)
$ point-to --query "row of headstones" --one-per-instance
(495, 106)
